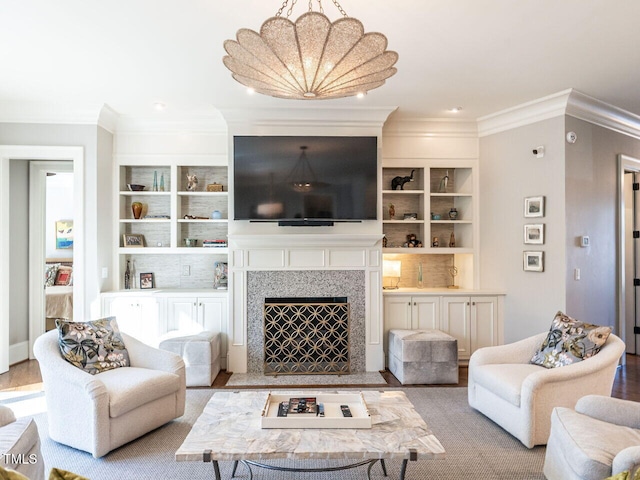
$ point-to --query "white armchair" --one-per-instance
(98, 413)
(20, 445)
(598, 439)
(520, 396)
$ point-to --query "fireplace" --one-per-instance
(308, 335)
(300, 284)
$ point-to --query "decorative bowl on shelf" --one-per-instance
(134, 187)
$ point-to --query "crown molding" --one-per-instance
(568, 102)
(592, 110)
(108, 118)
(202, 123)
(49, 113)
(524, 114)
(431, 127)
(314, 116)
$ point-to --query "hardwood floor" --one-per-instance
(26, 376)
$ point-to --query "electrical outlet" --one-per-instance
(186, 270)
(105, 272)
(576, 274)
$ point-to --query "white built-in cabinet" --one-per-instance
(196, 313)
(148, 316)
(474, 320)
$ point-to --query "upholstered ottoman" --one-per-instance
(423, 356)
(201, 355)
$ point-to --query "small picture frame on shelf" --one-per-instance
(133, 240)
(534, 206)
(534, 234)
(533, 261)
(146, 280)
(410, 216)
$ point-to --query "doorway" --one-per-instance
(629, 251)
(29, 153)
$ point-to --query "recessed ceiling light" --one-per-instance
(250, 91)
(159, 106)
(455, 109)
(361, 94)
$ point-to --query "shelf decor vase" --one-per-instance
(453, 214)
(420, 284)
(136, 209)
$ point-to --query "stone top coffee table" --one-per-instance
(229, 430)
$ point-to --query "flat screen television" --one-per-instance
(305, 180)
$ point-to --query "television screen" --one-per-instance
(288, 178)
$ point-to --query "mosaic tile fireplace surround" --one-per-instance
(300, 284)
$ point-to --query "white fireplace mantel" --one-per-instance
(294, 254)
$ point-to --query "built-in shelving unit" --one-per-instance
(171, 213)
(423, 209)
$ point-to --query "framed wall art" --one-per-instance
(534, 261)
(146, 280)
(133, 240)
(534, 206)
(64, 233)
(534, 234)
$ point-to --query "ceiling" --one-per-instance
(484, 56)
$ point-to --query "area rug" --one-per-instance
(476, 449)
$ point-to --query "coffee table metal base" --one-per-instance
(250, 463)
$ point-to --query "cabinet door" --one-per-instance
(456, 322)
(182, 315)
(136, 316)
(484, 322)
(213, 316)
(397, 314)
(425, 313)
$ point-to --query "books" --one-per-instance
(302, 405)
(214, 243)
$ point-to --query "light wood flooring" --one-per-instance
(26, 376)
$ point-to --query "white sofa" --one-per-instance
(520, 396)
(598, 439)
(97, 413)
(20, 445)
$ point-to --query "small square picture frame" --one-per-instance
(534, 234)
(533, 261)
(147, 281)
(534, 206)
(133, 240)
(410, 216)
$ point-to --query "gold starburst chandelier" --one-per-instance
(311, 58)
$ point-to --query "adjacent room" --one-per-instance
(322, 240)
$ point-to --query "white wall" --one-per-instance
(509, 172)
(592, 206)
(59, 202)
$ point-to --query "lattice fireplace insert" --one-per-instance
(307, 335)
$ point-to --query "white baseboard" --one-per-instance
(18, 352)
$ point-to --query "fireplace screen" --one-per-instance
(306, 336)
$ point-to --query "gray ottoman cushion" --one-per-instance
(201, 355)
(423, 356)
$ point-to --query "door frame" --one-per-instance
(31, 152)
(625, 164)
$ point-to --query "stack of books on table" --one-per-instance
(214, 243)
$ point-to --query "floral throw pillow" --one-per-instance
(50, 274)
(570, 341)
(94, 347)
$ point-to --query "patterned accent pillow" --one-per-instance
(63, 276)
(94, 347)
(570, 341)
(50, 273)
